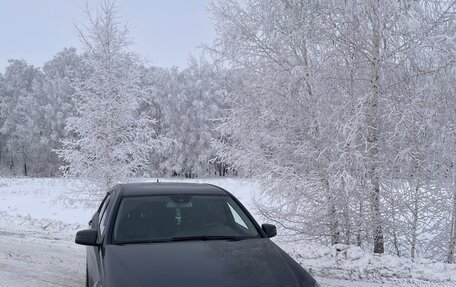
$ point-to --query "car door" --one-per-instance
(95, 253)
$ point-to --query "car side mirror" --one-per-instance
(269, 229)
(87, 237)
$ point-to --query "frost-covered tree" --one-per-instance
(109, 138)
(445, 241)
(18, 128)
(187, 105)
(336, 103)
(278, 124)
(190, 120)
(35, 105)
(161, 84)
(54, 99)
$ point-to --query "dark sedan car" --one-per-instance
(182, 234)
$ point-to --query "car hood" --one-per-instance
(221, 263)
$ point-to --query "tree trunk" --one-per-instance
(452, 245)
(358, 234)
(415, 222)
(330, 194)
(346, 213)
(373, 131)
(396, 243)
(334, 223)
(24, 160)
(11, 164)
(393, 228)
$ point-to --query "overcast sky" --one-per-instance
(165, 32)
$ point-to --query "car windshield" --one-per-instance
(160, 218)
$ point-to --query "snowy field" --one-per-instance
(39, 218)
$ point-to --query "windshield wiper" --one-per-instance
(187, 238)
(143, 241)
(208, 237)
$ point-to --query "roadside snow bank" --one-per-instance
(47, 198)
(351, 263)
(26, 226)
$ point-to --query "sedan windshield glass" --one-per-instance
(181, 217)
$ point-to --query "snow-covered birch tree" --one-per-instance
(318, 118)
(391, 41)
(109, 138)
(278, 124)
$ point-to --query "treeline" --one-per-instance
(342, 111)
(36, 103)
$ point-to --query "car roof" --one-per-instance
(166, 188)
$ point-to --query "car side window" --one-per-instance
(237, 218)
(102, 214)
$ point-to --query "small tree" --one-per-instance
(109, 138)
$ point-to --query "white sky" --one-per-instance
(165, 32)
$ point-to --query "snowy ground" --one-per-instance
(39, 217)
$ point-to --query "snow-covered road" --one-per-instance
(39, 218)
(34, 262)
